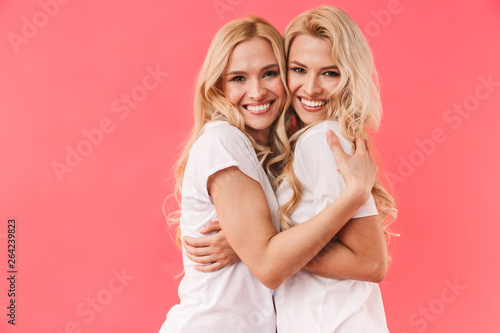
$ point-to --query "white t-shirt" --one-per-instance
(231, 299)
(307, 302)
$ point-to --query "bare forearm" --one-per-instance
(359, 252)
(337, 261)
(271, 256)
(289, 251)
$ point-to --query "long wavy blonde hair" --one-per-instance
(355, 102)
(210, 102)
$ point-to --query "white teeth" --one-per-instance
(258, 107)
(311, 103)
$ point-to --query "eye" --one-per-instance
(237, 79)
(270, 74)
(298, 70)
(331, 73)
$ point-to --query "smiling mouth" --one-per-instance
(312, 103)
(258, 108)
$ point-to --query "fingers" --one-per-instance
(197, 251)
(210, 263)
(362, 145)
(213, 245)
(210, 226)
(217, 264)
(360, 142)
(209, 268)
(212, 252)
(206, 259)
(196, 241)
(367, 147)
(334, 143)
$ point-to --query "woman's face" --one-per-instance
(253, 84)
(312, 76)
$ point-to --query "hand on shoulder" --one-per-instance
(358, 170)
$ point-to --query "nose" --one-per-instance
(257, 90)
(311, 86)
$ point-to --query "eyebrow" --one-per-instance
(322, 68)
(262, 69)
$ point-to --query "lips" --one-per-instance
(312, 104)
(258, 108)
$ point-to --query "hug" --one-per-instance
(280, 156)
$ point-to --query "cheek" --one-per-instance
(234, 95)
(279, 89)
(293, 84)
(330, 86)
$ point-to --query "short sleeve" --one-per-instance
(313, 154)
(222, 146)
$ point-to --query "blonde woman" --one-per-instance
(331, 79)
(240, 93)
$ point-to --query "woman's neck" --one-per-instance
(260, 136)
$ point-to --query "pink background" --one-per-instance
(102, 216)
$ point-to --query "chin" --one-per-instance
(259, 127)
(308, 118)
(260, 124)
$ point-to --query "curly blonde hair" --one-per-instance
(354, 103)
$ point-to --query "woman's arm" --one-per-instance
(273, 257)
(244, 216)
(358, 253)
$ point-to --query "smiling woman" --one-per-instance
(252, 83)
(313, 75)
(240, 94)
(330, 77)
(229, 83)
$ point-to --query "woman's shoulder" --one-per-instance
(221, 129)
(318, 131)
(221, 133)
(315, 135)
(221, 146)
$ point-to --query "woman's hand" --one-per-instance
(358, 170)
(213, 251)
